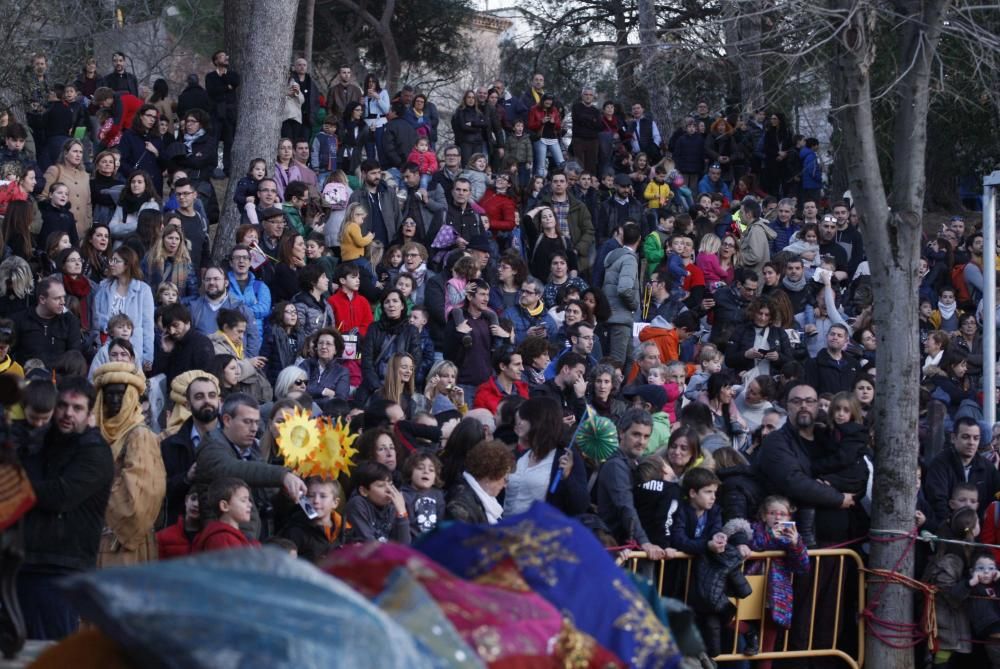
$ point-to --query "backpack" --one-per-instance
(336, 195)
(962, 293)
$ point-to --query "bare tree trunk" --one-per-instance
(892, 241)
(383, 28)
(625, 57)
(268, 49)
(653, 68)
(308, 28)
(751, 72)
(236, 27)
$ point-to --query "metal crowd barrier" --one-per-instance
(754, 608)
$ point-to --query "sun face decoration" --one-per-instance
(298, 438)
(316, 447)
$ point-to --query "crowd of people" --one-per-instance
(469, 305)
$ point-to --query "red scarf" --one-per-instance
(80, 289)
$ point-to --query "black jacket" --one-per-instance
(740, 494)
(380, 343)
(567, 399)
(194, 351)
(827, 375)
(616, 501)
(946, 470)
(468, 124)
(193, 97)
(57, 219)
(281, 350)
(178, 455)
(199, 161)
(46, 338)
(464, 505)
(729, 313)
(398, 140)
(742, 340)
(784, 466)
(71, 476)
(656, 502)
(310, 539)
(843, 465)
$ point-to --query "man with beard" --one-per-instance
(180, 450)
(71, 476)
(181, 348)
(784, 464)
(215, 296)
(139, 483)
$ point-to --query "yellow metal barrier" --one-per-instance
(754, 608)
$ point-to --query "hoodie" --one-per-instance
(755, 245)
(621, 285)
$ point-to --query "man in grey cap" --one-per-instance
(622, 206)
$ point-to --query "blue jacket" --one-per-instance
(522, 320)
(812, 172)
(333, 376)
(706, 186)
(203, 319)
(684, 529)
(323, 157)
(257, 298)
(138, 307)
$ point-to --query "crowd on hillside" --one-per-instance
(691, 299)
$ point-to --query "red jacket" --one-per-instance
(218, 536)
(488, 394)
(536, 116)
(350, 314)
(172, 541)
(500, 209)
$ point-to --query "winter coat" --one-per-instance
(621, 285)
(256, 297)
(616, 501)
(500, 210)
(135, 156)
(688, 152)
(252, 380)
(656, 501)
(388, 203)
(742, 340)
(309, 538)
(367, 522)
(57, 219)
(948, 571)
(945, 470)
(138, 306)
(398, 139)
(844, 466)
(779, 576)
(468, 124)
(464, 506)
(519, 148)
(718, 576)
(123, 225)
(812, 171)
(178, 455)
(755, 245)
(217, 536)
(489, 394)
(536, 121)
(334, 376)
(827, 375)
(199, 162)
(281, 349)
(611, 213)
(740, 493)
(581, 229)
(172, 541)
(381, 342)
(194, 351)
(784, 466)
(523, 321)
(71, 476)
(78, 182)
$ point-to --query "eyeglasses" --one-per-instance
(413, 254)
(184, 193)
(115, 260)
(191, 120)
(728, 245)
(299, 382)
(799, 401)
(525, 291)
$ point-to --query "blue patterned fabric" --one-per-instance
(563, 562)
(246, 608)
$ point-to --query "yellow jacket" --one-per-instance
(657, 195)
(353, 243)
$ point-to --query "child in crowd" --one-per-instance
(422, 492)
(947, 314)
(418, 319)
(176, 540)
(352, 314)
(924, 319)
(464, 271)
(657, 194)
(656, 244)
(657, 496)
(323, 156)
(378, 512)
(229, 501)
(984, 604)
(246, 190)
(425, 160)
(478, 175)
(775, 530)
(709, 362)
(57, 216)
(166, 293)
(659, 376)
(313, 538)
(519, 148)
(389, 265)
(719, 552)
(948, 571)
(119, 327)
(683, 197)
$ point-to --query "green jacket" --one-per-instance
(581, 229)
(653, 250)
(661, 432)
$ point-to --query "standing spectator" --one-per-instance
(573, 219)
(545, 125)
(197, 152)
(118, 79)
(71, 476)
(48, 330)
(300, 75)
(141, 147)
(586, 127)
(192, 97)
(381, 201)
(398, 140)
(833, 370)
(688, 151)
(960, 463)
(166, 107)
(354, 136)
(69, 170)
(621, 285)
(139, 485)
(193, 223)
(376, 106)
(343, 91)
(645, 134)
(423, 116)
(233, 451)
(221, 84)
(291, 117)
(469, 343)
(468, 123)
(755, 243)
(124, 292)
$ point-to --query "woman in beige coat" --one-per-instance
(69, 170)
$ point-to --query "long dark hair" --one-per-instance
(371, 78)
(160, 90)
(546, 419)
(131, 203)
(466, 434)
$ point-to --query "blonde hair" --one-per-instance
(436, 370)
(337, 176)
(375, 252)
(157, 257)
(775, 499)
(710, 243)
